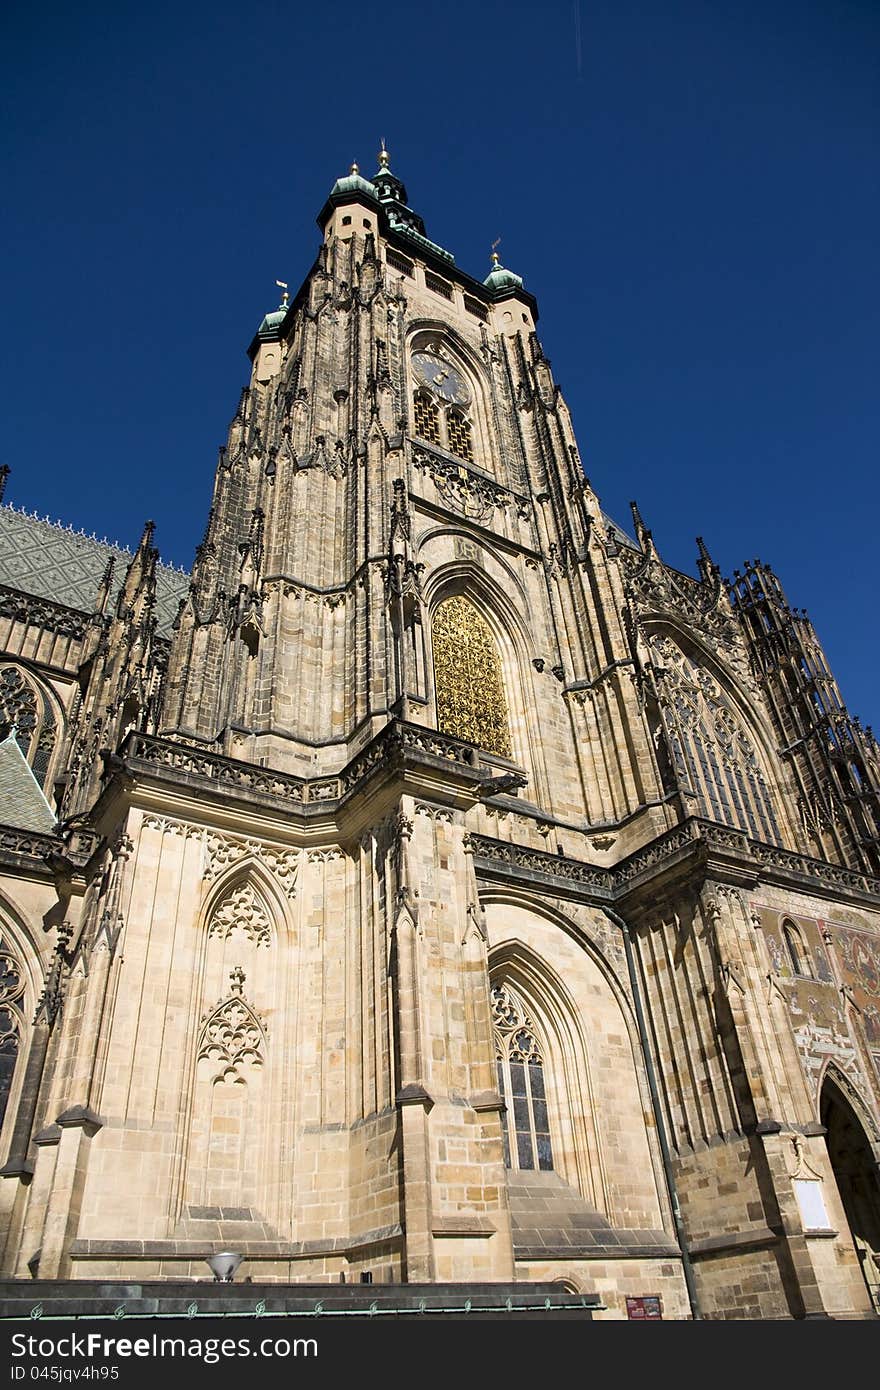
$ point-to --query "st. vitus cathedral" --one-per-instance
(433, 886)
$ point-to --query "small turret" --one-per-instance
(500, 280)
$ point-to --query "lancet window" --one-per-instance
(520, 1062)
(712, 751)
(468, 679)
(794, 946)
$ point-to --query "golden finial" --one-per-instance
(496, 259)
(354, 169)
(282, 285)
(384, 156)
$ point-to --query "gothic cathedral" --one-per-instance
(433, 885)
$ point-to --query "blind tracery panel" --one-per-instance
(520, 1064)
(712, 751)
(469, 685)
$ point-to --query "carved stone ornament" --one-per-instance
(221, 851)
(233, 1036)
(514, 1030)
(462, 489)
(283, 864)
(241, 910)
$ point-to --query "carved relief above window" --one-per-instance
(442, 401)
(469, 684)
(12, 985)
(26, 709)
(715, 760)
(242, 911)
(520, 1065)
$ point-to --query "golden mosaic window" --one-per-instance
(458, 435)
(427, 419)
(468, 679)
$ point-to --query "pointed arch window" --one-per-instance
(26, 709)
(443, 400)
(713, 753)
(520, 1064)
(469, 683)
(794, 947)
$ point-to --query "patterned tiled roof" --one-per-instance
(54, 562)
(22, 802)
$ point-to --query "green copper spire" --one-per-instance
(401, 218)
(354, 183)
(500, 279)
(272, 322)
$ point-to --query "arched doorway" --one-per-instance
(855, 1169)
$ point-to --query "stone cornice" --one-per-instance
(27, 850)
(694, 845)
(430, 762)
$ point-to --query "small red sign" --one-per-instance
(642, 1309)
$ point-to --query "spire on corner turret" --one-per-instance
(391, 190)
(270, 328)
(401, 217)
(500, 280)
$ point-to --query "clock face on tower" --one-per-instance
(441, 378)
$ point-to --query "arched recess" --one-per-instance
(720, 752)
(798, 955)
(448, 397)
(32, 709)
(854, 1160)
(508, 634)
(235, 1060)
(597, 1103)
(21, 981)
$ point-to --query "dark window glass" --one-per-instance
(524, 1151)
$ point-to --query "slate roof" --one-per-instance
(22, 802)
(618, 532)
(54, 562)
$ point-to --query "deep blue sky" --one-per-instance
(690, 189)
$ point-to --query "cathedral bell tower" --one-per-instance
(446, 897)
